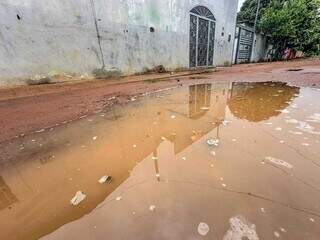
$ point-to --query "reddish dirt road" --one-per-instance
(32, 108)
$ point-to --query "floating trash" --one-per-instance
(152, 208)
(173, 117)
(119, 198)
(203, 229)
(311, 220)
(305, 144)
(283, 230)
(184, 158)
(94, 138)
(295, 133)
(276, 234)
(78, 198)
(105, 179)
(213, 142)
(263, 210)
(314, 118)
(205, 108)
(240, 229)
(134, 145)
(278, 129)
(226, 123)
(279, 162)
(292, 121)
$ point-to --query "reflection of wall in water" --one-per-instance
(7, 198)
(208, 99)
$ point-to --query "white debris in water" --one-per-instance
(241, 229)
(211, 165)
(276, 234)
(213, 142)
(203, 229)
(279, 162)
(104, 179)
(78, 198)
(40, 131)
(173, 117)
(283, 230)
(305, 144)
(226, 122)
(314, 118)
(154, 158)
(213, 153)
(311, 219)
(205, 108)
(281, 141)
(94, 138)
(134, 145)
(284, 111)
(221, 179)
(157, 175)
(291, 120)
(269, 123)
(295, 106)
(263, 210)
(305, 127)
(163, 138)
(224, 185)
(184, 158)
(295, 133)
(278, 129)
(234, 140)
(119, 198)
(152, 208)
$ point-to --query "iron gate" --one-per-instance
(245, 44)
(202, 33)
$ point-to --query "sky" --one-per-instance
(240, 4)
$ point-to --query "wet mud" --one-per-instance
(258, 180)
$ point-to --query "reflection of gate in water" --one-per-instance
(202, 32)
(199, 100)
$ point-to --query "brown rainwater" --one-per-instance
(261, 181)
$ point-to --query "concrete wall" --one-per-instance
(260, 48)
(43, 36)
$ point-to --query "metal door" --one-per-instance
(201, 40)
(245, 43)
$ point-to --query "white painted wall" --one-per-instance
(60, 36)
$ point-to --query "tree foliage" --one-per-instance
(292, 23)
(248, 11)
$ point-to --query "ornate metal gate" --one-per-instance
(201, 40)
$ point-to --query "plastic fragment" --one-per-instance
(105, 179)
(213, 142)
(203, 229)
(152, 208)
(279, 162)
(78, 198)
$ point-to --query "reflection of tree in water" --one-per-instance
(259, 101)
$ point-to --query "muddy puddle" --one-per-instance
(211, 161)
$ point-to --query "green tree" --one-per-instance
(292, 23)
(248, 11)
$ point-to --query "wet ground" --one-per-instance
(220, 160)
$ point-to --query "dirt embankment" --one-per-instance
(30, 108)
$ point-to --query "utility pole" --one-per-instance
(255, 27)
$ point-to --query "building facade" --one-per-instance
(79, 36)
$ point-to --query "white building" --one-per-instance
(79, 36)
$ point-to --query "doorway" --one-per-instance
(201, 40)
